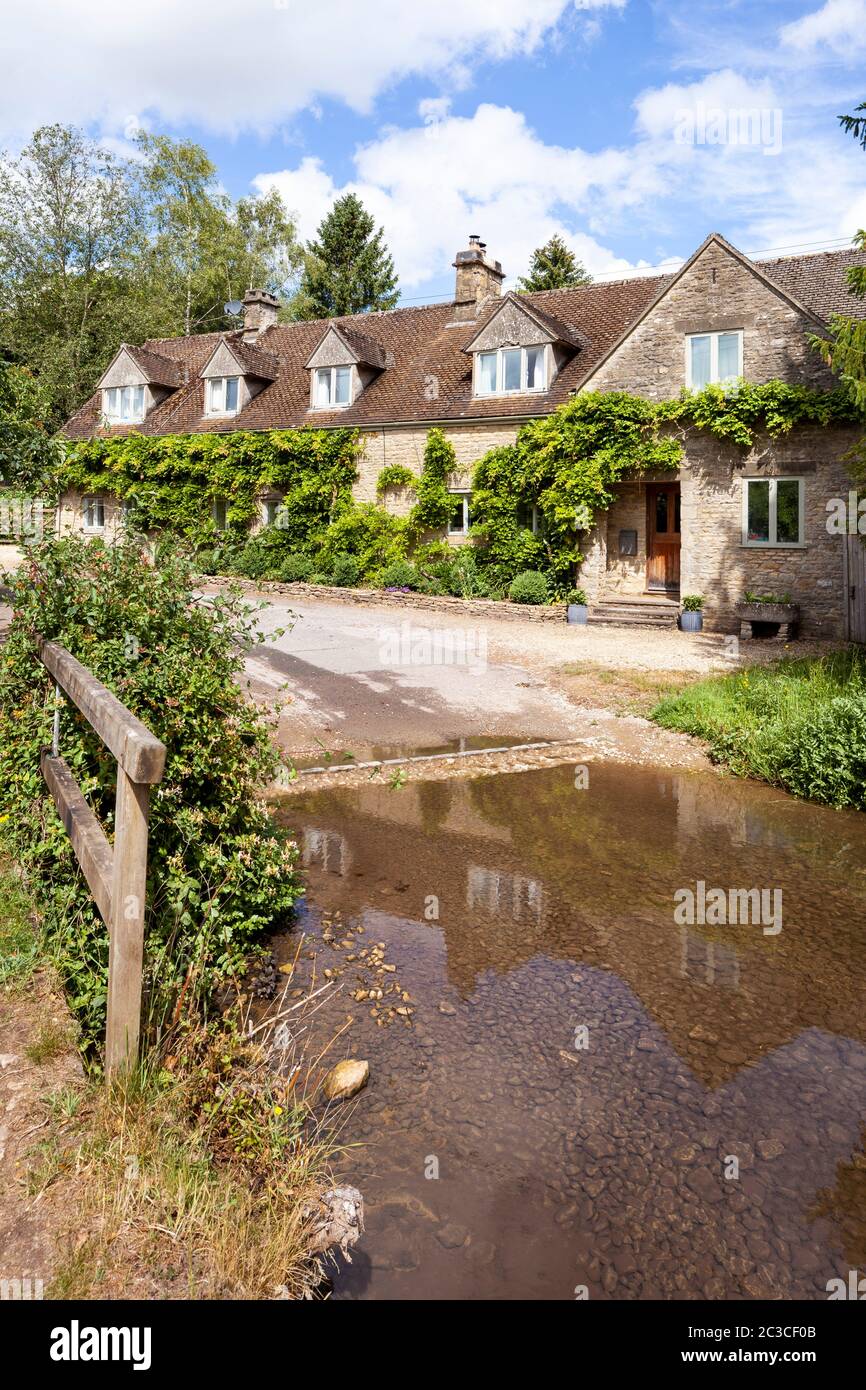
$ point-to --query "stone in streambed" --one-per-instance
(346, 1079)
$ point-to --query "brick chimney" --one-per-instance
(478, 279)
(260, 311)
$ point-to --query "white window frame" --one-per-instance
(268, 505)
(93, 504)
(522, 389)
(138, 407)
(713, 336)
(331, 404)
(211, 385)
(535, 519)
(773, 543)
(464, 495)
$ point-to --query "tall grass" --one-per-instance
(800, 724)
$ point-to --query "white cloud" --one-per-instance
(839, 24)
(491, 173)
(228, 68)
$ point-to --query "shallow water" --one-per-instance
(612, 1101)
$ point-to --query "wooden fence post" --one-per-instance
(126, 935)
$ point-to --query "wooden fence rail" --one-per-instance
(117, 877)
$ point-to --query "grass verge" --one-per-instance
(19, 951)
(799, 724)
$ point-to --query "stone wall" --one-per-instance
(437, 603)
(715, 562)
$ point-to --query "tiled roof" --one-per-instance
(256, 362)
(161, 370)
(430, 375)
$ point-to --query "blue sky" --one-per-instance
(631, 128)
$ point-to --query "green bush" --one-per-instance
(799, 725)
(345, 571)
(692, 603)
(221, 871)
(400, 574)
(296, 569)
(528, 587)
(320, 578)
(577, 596)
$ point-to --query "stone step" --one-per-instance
(624, 620)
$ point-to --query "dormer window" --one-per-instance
(333, 387)
(223, 395)
(123, 405)
(510, 370)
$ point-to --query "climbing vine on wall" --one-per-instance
(173, 480)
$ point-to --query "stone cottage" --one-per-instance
(485, 363)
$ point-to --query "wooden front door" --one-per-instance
(663, 537)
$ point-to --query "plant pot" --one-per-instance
(578, 613)
(691, 621)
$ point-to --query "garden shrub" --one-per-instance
(345, 571)
(528, 587)
(296, 569)
(221, 871)
(400, 574)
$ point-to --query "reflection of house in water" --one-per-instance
(505, 894)
(708, 962)
(326, 849)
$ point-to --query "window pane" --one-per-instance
(138, 403)
(661, 513)
(216, 394)
(343, 376)
(487, 372)
(729, 356)
(457, 522)
(219, 513)
(535, 368)
(699, 349)
(758, 519)
(787, 511)
(231, 394)
(323, 386)
(511, 369)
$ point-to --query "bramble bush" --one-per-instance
(221, 872)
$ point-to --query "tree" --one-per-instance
(553, 267)
(96, 250)
(348, 268)
(844, 348)
(29, 455)
(203, 250)
(69, 234)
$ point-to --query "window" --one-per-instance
(461, 518)
(333, 387)
(773, 511)
(713, 357)
(271, 511)
(510, 369)
(218, 512)
(94, 513)
(223, 395)
(528, 515)
(123, 405)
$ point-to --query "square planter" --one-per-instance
(578, 613)
(691, 621)
(773, 621)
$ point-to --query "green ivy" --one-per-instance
(432, 510)
(172, 480)
(395, 475)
